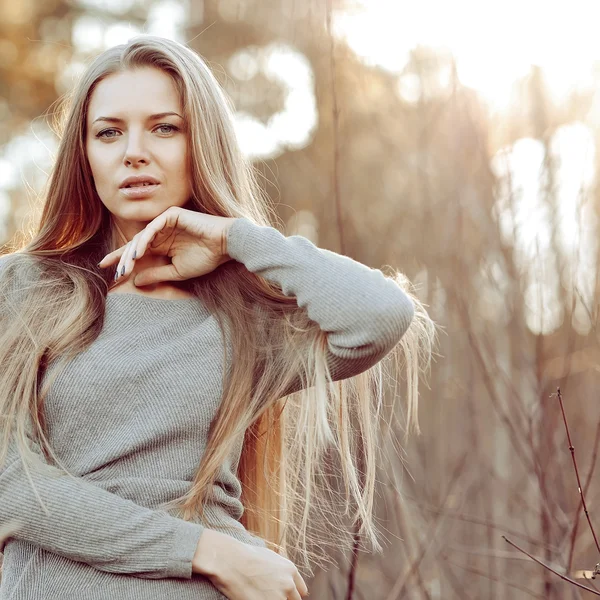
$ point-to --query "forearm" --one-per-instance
(212, 551)
(88, 524)
(363, 312)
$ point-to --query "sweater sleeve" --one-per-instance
(88, 524)
(84, 522)
(363, 312)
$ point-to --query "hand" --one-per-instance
(195, 242)
(244, 572)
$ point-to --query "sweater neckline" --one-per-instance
(143, 297)
(148, 307)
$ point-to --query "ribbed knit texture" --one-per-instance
(129, 418)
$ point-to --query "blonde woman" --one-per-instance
(167, 359)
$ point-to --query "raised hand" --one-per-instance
(195, 242)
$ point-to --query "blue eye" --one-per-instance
(172, 128)
(101, 133)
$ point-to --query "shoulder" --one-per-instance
(18, 272)
(6, 259)
(9, 267)
(19, 264)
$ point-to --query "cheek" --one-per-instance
(180, 180)
(101, 171)
(97, 165)
(180, 167)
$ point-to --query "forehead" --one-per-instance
(134, 93)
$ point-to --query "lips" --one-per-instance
(138, 181)
(140, 191)
(146, 183)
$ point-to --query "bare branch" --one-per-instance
(579, 487)
(586, 487)
(543, 564)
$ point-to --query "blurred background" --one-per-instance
(456, 142)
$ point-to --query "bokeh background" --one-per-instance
(456, 142)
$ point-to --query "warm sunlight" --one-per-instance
(429, 168)
(494, 43)
(526, 220)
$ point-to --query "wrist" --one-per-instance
(207, 559)
(225, 239)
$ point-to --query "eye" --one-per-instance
(101, 133)
(171, 127)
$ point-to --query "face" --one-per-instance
(135, 127)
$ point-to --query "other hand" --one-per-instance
(245, 572)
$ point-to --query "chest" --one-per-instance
(137, 390)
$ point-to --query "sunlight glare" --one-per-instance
(493, 43)
(119, 33)
(293, 127)
(528, 223)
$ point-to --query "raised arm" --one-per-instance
(88, 524)
(364, 313)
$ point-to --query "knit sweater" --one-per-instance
(129, 418)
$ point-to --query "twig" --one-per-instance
(590, 580)
(514, 431)
(491, 577)
(586, 487)
(457, 585)
(398, 588)
(572, 449)
(549, 568)
(336, 127)
(484, 522)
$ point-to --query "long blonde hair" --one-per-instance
(295, 444)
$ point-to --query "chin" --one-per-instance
(143, 204)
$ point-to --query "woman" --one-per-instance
(168, 357)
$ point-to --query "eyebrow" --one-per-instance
(150, 118)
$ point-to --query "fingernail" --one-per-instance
(134, 252)
(123, 270)
(116, 275)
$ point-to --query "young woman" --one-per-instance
(167, 359)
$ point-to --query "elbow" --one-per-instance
(393, 320)
(403, 315)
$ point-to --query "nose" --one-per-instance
(135, 153)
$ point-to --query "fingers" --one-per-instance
(156, 274)
(111, 257)
(125, 255)
(121, 256)
(168, 218)
(137, 247)
(302, 588)
(146, 236)
(125, 265)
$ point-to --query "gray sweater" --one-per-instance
(129, 418)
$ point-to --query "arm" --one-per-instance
(84, 522)
(364, 313)
(88, 524)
